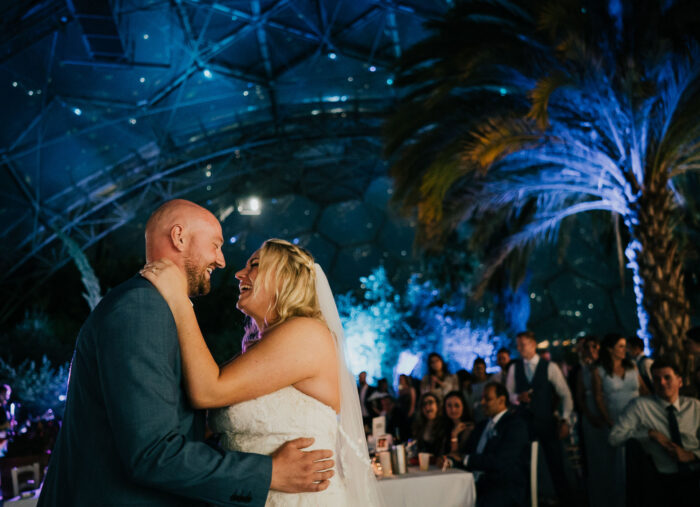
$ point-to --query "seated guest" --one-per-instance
(456, 424)
(497, 453)
(503, 361)
(479, 380)
(426, 425)
(407, 396)
(668, 428)
(438, 379)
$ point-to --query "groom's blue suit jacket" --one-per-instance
(129, 436)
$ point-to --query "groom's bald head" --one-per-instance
(190, 236)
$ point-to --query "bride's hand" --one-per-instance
(167, 278)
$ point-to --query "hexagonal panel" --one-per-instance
(348, 223)
(352, 263)
(285, 217)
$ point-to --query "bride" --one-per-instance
(292, 379)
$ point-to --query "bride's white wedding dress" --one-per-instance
(262, 425)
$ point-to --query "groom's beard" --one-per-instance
(198, 283)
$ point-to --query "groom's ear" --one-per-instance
(177, 237)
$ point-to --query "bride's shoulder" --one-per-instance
(303, 327)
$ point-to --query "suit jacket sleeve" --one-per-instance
(138, 359)
(507, 450)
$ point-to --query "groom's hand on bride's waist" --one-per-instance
(297, 471)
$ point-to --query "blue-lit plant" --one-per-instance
(518, 115)
(384, 322)
(38, 388)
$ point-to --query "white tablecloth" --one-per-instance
(451, 488)
(28, 501)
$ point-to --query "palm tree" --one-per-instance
(520, 114)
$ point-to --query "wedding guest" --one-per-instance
(615, 382)
(592, 427)
(396, 424)
(438, 379)
(503, 361)
(457, 424)
(497, 453)
(667, 427)
(479, 380)
(374, 403)
(425, 425)
(534, 383)
(407, 396)
(544, 354)
(692, 346)
(464, 380)
(365, 391)
(5, 418)
(635, 349)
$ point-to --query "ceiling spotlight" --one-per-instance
(372, 68)
(30, 92)
(14, 84)
(502, 91)
(245, 93)
(132, 121)
(332, 55)
(249, 206)
(142, 79)
(390, 81)
(145, 36)
(207, 73)
(77, 111)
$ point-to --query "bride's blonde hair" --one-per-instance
(289, 270)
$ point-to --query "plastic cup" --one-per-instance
(424, 460)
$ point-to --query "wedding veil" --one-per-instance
(352, 458)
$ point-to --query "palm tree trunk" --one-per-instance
(655, 259)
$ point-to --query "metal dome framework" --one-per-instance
(114, 107)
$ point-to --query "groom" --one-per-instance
(129, 435)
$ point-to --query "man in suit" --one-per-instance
(129, 435)
(536, 387)
(497, 452)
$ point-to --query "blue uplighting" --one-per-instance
(503, 91)
(390, 81)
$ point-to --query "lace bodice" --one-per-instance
(262, 425)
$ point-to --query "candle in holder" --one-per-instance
(385, 460)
